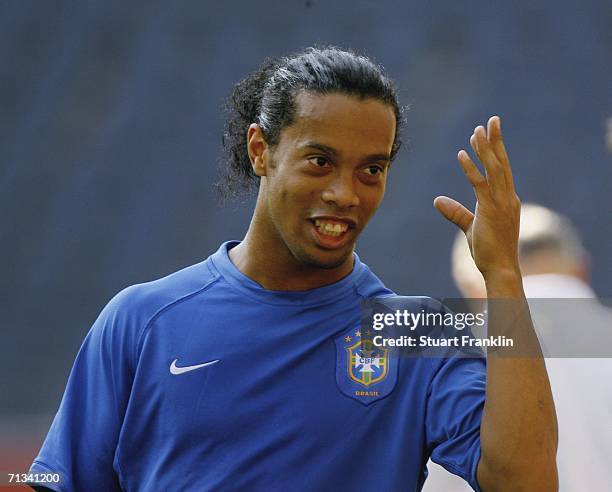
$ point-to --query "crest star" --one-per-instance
(347, 338)
(358, 333)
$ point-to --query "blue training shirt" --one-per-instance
(203, 380)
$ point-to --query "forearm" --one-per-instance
(519, 428)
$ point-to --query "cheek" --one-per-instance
(372, 199)
(298, 192)
(290, 201)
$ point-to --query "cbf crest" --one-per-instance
(364, 371)
(367, 365)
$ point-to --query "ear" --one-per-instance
(257, 149)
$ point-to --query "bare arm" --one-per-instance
(519, 429)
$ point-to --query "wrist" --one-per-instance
(504, 282)
(508, 274)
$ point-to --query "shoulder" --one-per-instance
(145, 300)
(126, 316)
(368, 284)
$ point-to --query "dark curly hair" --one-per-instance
(267, 97)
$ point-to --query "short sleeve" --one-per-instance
(454, 413)
(81, 443)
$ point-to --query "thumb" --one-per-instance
(455, 212)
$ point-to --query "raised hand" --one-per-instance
(492, 230)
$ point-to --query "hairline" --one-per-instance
(295, 93)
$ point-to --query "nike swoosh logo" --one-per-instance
(174, 369)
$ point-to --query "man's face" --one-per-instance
(326, 176)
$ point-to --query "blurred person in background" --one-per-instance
(555, 265)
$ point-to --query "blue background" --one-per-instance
(110, 133)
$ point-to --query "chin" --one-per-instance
(324, 260)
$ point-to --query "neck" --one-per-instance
(264, 257)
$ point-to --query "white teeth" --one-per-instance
(330, 228)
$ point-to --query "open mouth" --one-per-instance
(330, 227)
(332, 233)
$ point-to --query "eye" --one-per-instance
(373, 170)
(319, 161)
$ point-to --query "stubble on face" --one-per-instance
(281, 205)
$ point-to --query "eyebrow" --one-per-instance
(334, 153)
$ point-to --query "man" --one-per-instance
(575, 330)
(232, 374)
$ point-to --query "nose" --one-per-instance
(341, 191)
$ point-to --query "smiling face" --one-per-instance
(325, 178)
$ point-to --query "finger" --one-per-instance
(496, 140)
(473, 174)
(453, 211)
(495, 175)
